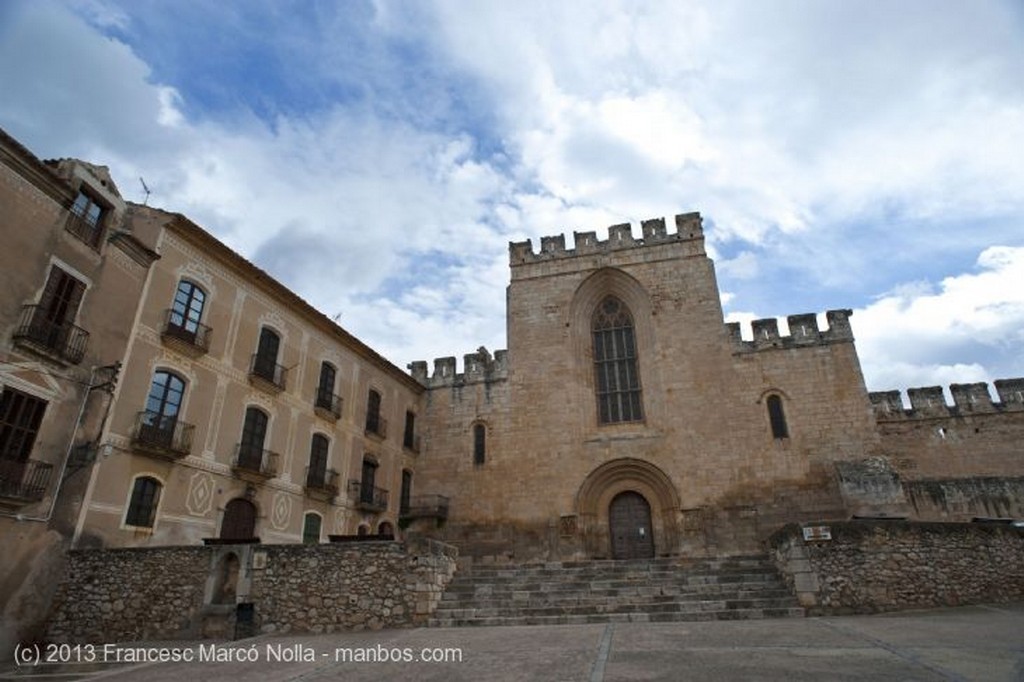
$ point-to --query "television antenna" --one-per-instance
(145, 189)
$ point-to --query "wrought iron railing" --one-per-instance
(376, 426)
(86, 230)
(327, 404)
(24, 481)
(254, 460)
(368, 497)
(322, 480)
(65, 340)
(179, 328)
(265, 368)
(155, 431)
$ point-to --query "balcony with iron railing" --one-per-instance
(254, 464)
(63, 342)
(367, 497)
(376, 426)
(322, 484)
(327, 405)
(87, 230)
(162, 436)
(184, 335)
(265, 373)
(23, 482)
(425, 507)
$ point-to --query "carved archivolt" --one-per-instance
(621, 475)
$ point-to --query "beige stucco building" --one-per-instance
(68, 271)
(244, 413)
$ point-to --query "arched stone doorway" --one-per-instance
(225, 585)
(239, 520)
(629, 525)
(643, 496)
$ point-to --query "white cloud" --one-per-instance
(785, 123)
(916, 337)
(744, 265)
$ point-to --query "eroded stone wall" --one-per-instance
(871, 566)
(169, 592)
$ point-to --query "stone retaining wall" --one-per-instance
(185, 592)
(870, 566)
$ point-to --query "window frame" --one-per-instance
(247, 443)
(21, 427)
(409, 433)
(618, 389)
(373, 403)
(325, 384)
(134, 511)
(93, 223)
(182, 309)
(777, 421)
(316, 475)
(405, 496)
(306, 537)
(479, 444)
(163, 401)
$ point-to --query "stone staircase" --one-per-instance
(651, 591)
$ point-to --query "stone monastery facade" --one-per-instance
(627, 419)
(159, 389)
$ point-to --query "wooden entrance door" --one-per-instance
(239, 520)
(629, 521)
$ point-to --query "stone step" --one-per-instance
(660, 590)
(591, 609)
(555, 598)
(733, 614)
(558, 591)
(469, 582)
(629, 571)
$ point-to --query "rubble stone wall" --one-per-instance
(119, 595)
(871, 566)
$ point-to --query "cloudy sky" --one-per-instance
(377, 157)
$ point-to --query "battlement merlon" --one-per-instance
(803, 331)
(689, 228)
(929, 402)
(479, 367)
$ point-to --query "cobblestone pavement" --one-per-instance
(967, 643)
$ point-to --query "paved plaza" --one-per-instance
(967, 643)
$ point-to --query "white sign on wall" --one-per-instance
(817, 533)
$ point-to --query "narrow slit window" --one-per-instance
(479, 444)
(777, 417)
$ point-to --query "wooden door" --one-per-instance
(239, 520)
(629, 520)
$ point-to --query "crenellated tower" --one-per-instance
(623, 385)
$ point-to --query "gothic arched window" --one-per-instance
(617, 380)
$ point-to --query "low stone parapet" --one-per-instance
(870, 566)
(187, 592)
